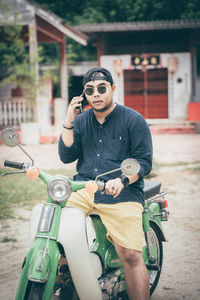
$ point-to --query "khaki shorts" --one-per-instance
(123, 221)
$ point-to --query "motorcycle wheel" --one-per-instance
(155, 240)
(36, 291)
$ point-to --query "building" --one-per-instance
(154, 65)
(39, 26)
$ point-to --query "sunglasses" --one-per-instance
(90, 90)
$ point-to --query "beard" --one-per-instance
(103, 109)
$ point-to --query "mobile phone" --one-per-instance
(84, 102)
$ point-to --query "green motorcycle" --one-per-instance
(60, 264)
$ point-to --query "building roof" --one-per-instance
(139, 26)
(23, 12)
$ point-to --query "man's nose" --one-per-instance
(96, 93)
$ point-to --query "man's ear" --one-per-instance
(113, 87)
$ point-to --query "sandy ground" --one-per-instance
(180, 278)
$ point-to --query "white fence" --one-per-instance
(13, 112)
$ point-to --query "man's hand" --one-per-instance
(73, 109)
(72, 113)
(114, 187)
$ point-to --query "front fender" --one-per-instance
(40, 265)
(44, 264)
(72, 236)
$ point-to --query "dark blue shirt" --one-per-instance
(102, 147)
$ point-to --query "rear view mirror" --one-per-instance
(130, 167)
(10, 137)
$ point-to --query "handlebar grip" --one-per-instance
(13, 164)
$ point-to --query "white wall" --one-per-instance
(179, 93)
(197, 96)
(107, 62)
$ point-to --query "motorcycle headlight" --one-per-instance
(59, 189)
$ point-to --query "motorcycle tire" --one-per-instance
(36, 291)
(155, 239)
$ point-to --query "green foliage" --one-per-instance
(49, 56)
(77, 52)
(18, 190)
(13, 51)
(86, 11)
(192, 10)
(14, 57)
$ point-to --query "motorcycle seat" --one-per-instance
(151, 188)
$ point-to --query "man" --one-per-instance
(101, 138)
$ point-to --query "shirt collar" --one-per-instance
(113, 112)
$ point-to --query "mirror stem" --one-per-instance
(107, 173)
(10, 136)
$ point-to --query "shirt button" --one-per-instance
(101, 126)
(98, 155)
(100, 141)
(96, 170)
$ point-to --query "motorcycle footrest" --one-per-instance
(153, 267)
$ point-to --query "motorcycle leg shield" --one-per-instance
(72, 236)
(34, 220)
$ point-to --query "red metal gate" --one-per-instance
(147, 92)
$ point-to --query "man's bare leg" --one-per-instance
(135, 272)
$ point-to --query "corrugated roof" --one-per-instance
(139, 26)
(26, 11)
(60, 25)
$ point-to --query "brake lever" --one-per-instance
(14, 172)
(25, 167)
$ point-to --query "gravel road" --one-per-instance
(180, 278)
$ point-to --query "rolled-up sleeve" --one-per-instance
(141, 145)
(67, 154)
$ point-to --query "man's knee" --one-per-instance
(129, 256)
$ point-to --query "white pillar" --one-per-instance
(33, 46)
(63, 70)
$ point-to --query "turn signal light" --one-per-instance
(165, 204)
(91, 187)
(32, 173)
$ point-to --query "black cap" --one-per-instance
(96, 74)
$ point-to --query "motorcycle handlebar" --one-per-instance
(101, 185)
(13, 164)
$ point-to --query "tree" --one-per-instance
(14, 56)
(15, 60)
(86, 11)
